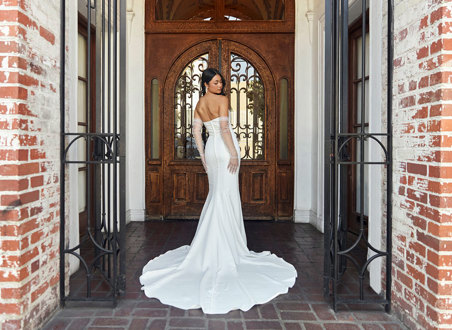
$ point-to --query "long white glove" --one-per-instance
(197, 131)
(227, 139)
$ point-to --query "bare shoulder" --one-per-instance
(199, 109)
(202, 100)
(223, 106)
(201, 104)
(223, 100)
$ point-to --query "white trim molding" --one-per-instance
(310, 17)
(305, 216)
(135, 215)
(320, 122)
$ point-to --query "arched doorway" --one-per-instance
(258, 68)
(251, 91)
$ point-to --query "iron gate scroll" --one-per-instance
(342, 254)
(100, 148)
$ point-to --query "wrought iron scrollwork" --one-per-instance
(99, 270)
(186, 96)
(100, 243)
(247, 102)
(104, 147)
(248, 107)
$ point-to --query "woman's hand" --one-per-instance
(233, 164)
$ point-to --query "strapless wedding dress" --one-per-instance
(217, 272)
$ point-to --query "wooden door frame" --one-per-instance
(252, 34)
(162, 60)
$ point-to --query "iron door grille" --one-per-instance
(101, 275)
(341, 261)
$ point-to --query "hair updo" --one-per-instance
(207, 76)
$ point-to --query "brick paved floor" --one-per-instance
(303, 307)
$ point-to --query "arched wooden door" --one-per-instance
(251, 89)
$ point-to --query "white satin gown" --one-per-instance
(217, 272)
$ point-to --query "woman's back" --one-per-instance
(209, 106)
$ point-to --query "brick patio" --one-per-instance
(303, 307)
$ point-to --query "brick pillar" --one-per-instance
(422, 239)
(29, 162)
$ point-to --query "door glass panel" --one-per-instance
(359, 100)
(171, 10)
(82, 119)
(248, 107)
(232, 18)
(283, 118)
(81, 190)
(367, 53)
(81, 56)
(359, 56)
(254, 9)
(81, 146)
(155, 128)
(358, 178)
(81, 101)
(357, 123)
(186, 96)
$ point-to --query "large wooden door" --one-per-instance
(251, 90)
(254, 50)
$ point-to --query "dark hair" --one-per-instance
(207, 76)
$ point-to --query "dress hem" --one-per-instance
(242, 308)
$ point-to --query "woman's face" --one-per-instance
(215, 85)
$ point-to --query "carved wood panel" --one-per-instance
(219, 24)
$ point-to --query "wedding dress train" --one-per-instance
(217, 272)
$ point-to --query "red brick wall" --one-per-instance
(422, 224)
(29, 162)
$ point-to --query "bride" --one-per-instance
(217, 272)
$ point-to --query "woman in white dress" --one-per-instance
(217, 272)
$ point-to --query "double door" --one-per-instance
(252, 91)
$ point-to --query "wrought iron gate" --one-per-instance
(348, 256)
(100, 149)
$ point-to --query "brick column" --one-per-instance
(29, 162)
(422, 239)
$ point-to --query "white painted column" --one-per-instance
(304, 117)
(71, 126)
(319, 221)
(135, 153)
(376, 154)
